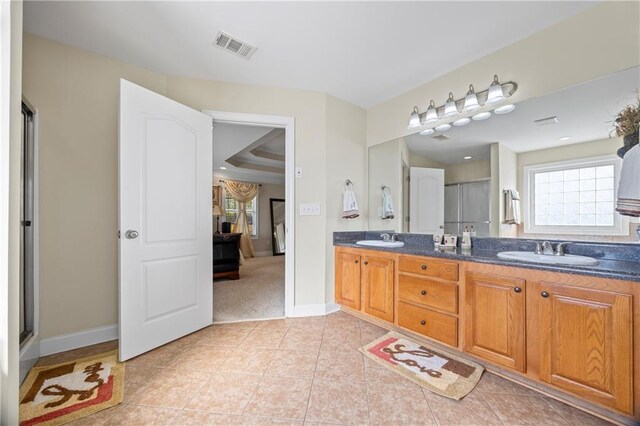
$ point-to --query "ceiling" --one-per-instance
(362, 52)
(249, 153)
(584, 113)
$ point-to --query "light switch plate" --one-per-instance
(310, 209)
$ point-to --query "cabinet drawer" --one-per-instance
(429, 323)
(429, 267)
(428, 292)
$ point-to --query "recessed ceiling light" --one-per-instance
(223, 168)
(468, 157)
(565, 138)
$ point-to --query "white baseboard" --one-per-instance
(65, 342)
(314, 310)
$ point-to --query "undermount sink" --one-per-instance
(567, 259)
(380, 243)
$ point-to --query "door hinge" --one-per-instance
(118, 233)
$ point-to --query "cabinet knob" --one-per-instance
(424, 267)
(365, 262)
(423, 322)
(517, 289)
(544, 294)
(423, 292)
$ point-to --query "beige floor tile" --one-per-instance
(225, 393)
(470, 410)
(309, 323)
(490, 383)
(264, 338)
(202, 358)
(248, 361)
(294, 364)
(199, 418)
(338, 402)
(252, 420)
(243, 325)
(138, 415)
(575, 416)
(298, 339)
(161, 357)
(226, 337)
(398, 405)
(343, 339)
(342, 324)
(172, 388)
(370, 332)
(340, 365)
(277, 324)
(280, 397)
(523, 410)
(137, 379)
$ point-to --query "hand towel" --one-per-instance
(387, 204)
(349, 205)
(628, 203)
(512, 207)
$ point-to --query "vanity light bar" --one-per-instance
(454, 108)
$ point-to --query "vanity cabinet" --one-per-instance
(495, 319)
(365, 281)
(347, 280)
(586, 343)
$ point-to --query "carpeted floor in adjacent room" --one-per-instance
(258, 294)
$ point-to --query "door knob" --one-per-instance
(423, 292)
(423, 322)
(355, 261)
(544, 294)
(517, 289)
(423, 267)
(131, 234)
(365, 262)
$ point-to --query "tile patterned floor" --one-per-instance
(302, 371)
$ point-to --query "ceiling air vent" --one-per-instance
(442, 137)
(546, 121)
(234, 45)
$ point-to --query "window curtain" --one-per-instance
(242, 192)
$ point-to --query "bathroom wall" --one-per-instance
(467, 171)
(385, 168)
(76, 93)
(601, 40)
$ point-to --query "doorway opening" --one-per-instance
(27, 223)
(253, 247)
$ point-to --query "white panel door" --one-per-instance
(165, 175)
(427, 201)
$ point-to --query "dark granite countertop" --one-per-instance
(616, 261)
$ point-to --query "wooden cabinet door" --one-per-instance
(348, 279)
(586, 343)
(495, 319)
(377, 286)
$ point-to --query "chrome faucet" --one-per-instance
(385, 237)
(560, 248)
(547, 248)
(395, 237)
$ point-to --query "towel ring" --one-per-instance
(348, 184)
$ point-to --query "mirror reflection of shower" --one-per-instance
(278, 226)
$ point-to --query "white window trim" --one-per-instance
(621, 223)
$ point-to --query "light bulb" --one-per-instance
(432, 113)
(427, 132)
(443, 127)
(471, 100)
(504, 109)
(414, 120)
(481, 116)
(450, 107)
(495, 92)
(462, 122)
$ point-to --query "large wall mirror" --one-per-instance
(277, 226)
(557, 153)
